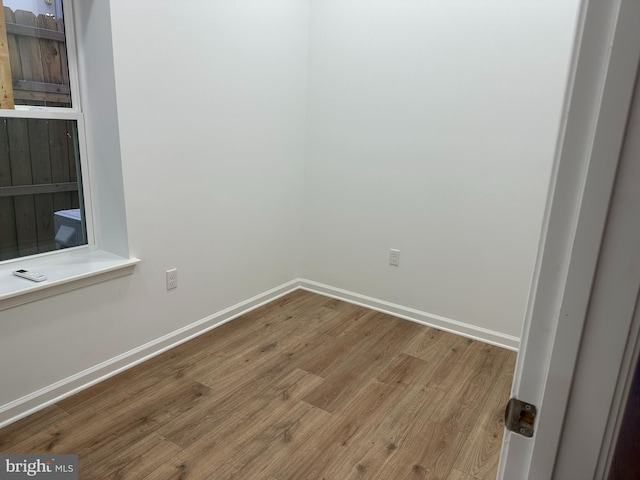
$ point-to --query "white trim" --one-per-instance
(72, 54)
(603, 73)
(602, 163)
(85, 192)
(33, 402)
(436, 321)
(74, 113)
(29, 404)
(610, 329)
(72, 69)
(46, 113)
(66, 271)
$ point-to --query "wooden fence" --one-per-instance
(37, 156)
(38, 58)
(38, 177)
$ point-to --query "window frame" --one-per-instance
(72, 113)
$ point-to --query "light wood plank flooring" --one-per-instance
(305, 387)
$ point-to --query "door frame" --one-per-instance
(597, 101)
(610, 333)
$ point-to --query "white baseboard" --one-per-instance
(442, 323)
(51, 394)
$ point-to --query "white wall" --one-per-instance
(210, 105)
(431, 129)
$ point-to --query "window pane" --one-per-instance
(37, 52)
(40, 187)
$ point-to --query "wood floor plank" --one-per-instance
(94, 433)
(459, 352)
(109, 394)
(234, 338)
(224, 374)
(281, 331)
(206, 349)
(345, 319)
(427, 452)
(137, 461)
(304, 388)
(458, 475)
(482, 447)
(430, 342)
(378, 444)
(403, 369)
(128, 430)
(336, 439)
(362, 364)
(241, 407)
(259, 367)
(347, 346)
(275, 442)
(23, 430)
(238, 441)
(465, 400)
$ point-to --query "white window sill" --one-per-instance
(65, 272)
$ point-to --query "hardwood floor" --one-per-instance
(303, 388)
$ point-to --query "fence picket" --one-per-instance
(29, 49)
(8, 238)
(62, 48)
(49, 52)
(14, 53)
(59, 154)
(18, 133)
(41, 174)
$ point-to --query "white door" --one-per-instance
(599, 93)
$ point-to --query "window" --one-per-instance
(42, 160)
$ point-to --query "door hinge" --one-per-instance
(520, 417)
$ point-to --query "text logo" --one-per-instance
(49, 467)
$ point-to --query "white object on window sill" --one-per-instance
(65, 272)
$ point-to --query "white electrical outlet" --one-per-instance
(172, 278)
(394, 257)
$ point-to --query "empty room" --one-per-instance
(274, 239)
